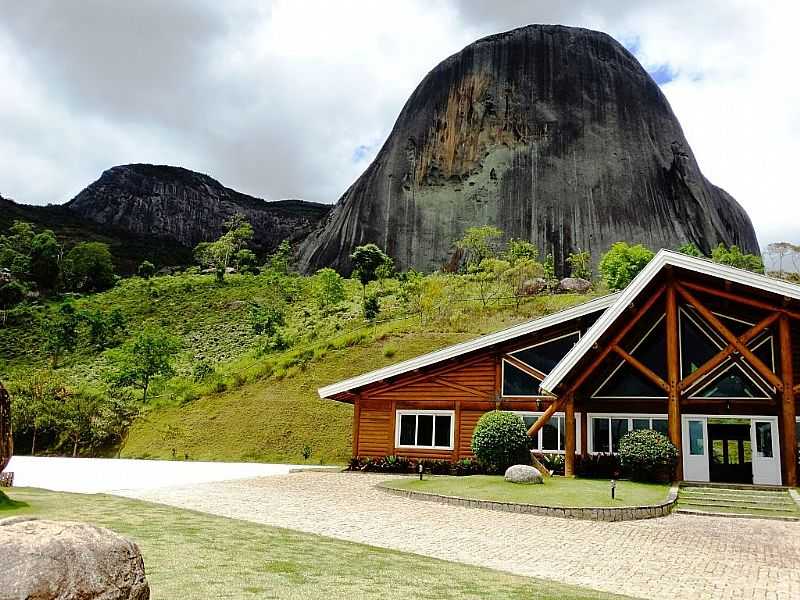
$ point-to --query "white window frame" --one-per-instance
(512, 353)
(629, 416)
(398, 419)
(538, 448)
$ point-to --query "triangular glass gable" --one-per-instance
(628, 382)
(763, 350)
(732, 383)
(697, 347)
(517, 382)
(547, 355)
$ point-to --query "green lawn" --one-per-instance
(556, 491)
(195, 555)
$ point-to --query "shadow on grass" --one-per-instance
(7, 504)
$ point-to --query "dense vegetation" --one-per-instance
(224, 363)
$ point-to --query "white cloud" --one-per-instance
(293, 99)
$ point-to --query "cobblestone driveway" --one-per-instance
(679, 556)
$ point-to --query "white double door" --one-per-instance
(764, 445)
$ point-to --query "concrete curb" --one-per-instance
(627, 513)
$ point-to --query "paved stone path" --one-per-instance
(676, 557)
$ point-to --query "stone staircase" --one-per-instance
(732, 500)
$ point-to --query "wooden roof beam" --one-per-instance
(526, 368)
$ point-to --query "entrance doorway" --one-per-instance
(737, 449)
(731, 457)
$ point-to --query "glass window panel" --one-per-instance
(797, 436)
(764, 352)
(599, 434)
(764, 439)
(696, 445)
(546, 356)
(732, 383)
(619, 427)
(660, 425)
(641, 424)
(736, 327)
(733, 452)
(424, 430)
(696, 347)
(517, 382)
(748, 454)
(550, 435)
(627, 382)
(408, 427)
(562, 443)
(443, 431)
(652, 350)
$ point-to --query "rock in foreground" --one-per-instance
(523, 474)
(63, 560)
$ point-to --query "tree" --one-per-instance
(104, 328)
(520, 275)
(89, 267)
(11, 294)
(372, 307)
(246, 261)
(280, 260)
(328, 287)
(76, 415)
(734, 257)
(45, 261)
(15, 249)
(220, 254)
(480, 243)
(60, 332)
(690, 249)
(150, 354)
(779, 251)
(580, 264)
(622, 263)
(36, 403)
(146, 269)
(366, 261)
(488, 277)
(517, 249)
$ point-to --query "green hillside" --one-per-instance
(250, 402)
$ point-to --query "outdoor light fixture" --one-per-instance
(613, 488)
(420, 468)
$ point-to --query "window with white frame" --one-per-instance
(425, 429)
(552, 436)
(605, 431)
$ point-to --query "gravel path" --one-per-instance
(675, 557)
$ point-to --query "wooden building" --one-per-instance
(702, 352)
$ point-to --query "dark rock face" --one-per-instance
(553, 134)
(188, 207)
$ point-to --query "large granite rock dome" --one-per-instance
(554, 134)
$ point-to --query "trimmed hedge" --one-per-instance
(400, 464)
(647, 455)
(500, 440)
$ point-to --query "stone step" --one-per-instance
(731, 515)
(753, 499)
(745, 506)
(734, 486)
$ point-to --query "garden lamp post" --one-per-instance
(420, 468)
(613, 488)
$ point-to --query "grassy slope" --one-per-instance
(556, 491)
(247, 560)
(256, 407)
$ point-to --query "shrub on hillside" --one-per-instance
(500, 440)
(622, 263)
(647, 455)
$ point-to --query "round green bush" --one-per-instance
(500, 440)
(647, 455)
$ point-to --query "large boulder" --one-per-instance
(556, 135)
(523, 474)
(574, 285)
(64, 560)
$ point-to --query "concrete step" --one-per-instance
(734, 486)
(751, 498)
(744, 506)
(733, 515)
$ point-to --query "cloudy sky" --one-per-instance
(292, 99)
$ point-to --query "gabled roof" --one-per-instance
(587, 308)
(624, 299)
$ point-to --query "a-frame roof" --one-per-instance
(511, 333)
(665, 258)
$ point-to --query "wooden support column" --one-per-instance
(673, 375)
(356, 422)
(392, 425)
(569, 447)
(457, 430)
(788, 413)
(584, 434)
